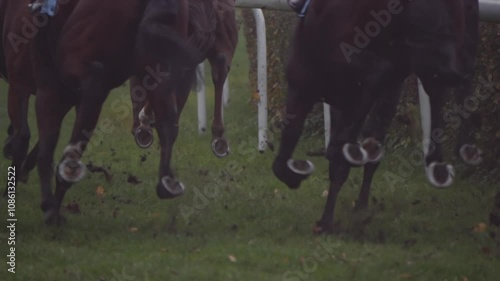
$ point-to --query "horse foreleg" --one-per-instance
(292, 172)
(164, 105)
(220, 68)
(142, 114)
(50, 114)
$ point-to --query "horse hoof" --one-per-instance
(220, 147)
(355, 154)
(440, 174)
(52, 217)
(169, 188)
(301, 167)
(144, 136)
(7, 149)
(293, 172)
(71, 170)
(374, 149)
(471, 154)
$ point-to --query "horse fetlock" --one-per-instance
(471, 154)
(144, 136)
(440, 174)
(169, 188)
(220, 147)
(355, 154)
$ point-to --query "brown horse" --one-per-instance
(84, 51)
(214, 32)
(350, 54)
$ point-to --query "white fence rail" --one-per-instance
(489, 11)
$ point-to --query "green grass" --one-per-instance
(416, 232)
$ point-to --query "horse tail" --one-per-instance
(162, 35)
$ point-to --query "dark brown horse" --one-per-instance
(84, 51)
(213, 31)
(379, 120)
(355, 53)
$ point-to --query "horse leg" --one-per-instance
(7, 147)
(144, 133)
(339, 169)
(164, 105)
(289, 171)
(373, 134)
(220, 68)
(439, 173)
(468, 152)
(49, 118)
(93, 95)
(18, 105)
(142, 114)
(29, 163)
(18, 114)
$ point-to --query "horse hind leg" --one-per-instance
(141, 128)
(373, 134)
(220, 69)
(143, 133)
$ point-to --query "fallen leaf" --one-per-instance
(163, 249)
(73, 208)
(100, 191)
(256, 96)
(133, 229)
(465, 278)
(232, 258)
(325, 193)
(480, 227)
(405, 276)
